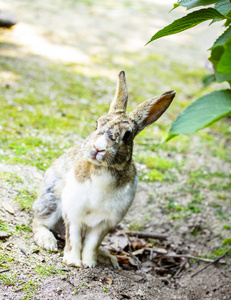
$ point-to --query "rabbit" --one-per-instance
(91, 187)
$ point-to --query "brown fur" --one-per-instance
(67, 235)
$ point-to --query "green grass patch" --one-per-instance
(227, 227)
(25, 198)
(178, 211)
(226, 242)
(47, 270)
(29, 287)
(135, 226)
(10, 177)
(158, 162)
(158, 168)
(4, 226)
(9, 280)
(218, 252)
(23, 228)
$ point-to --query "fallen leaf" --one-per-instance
(8, 207)
(122, 259)
(138, 252)
(108, 281)
(134, 261)
(137, 243)
(119, 242)
(159, 250)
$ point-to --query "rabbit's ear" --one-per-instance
(150, 110)
(119, 103)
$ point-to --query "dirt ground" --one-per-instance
(45, 29)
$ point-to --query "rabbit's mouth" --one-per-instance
(97, 155)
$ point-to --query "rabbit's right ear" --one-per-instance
(119, 103)
(150, 110)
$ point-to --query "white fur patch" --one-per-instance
(95, 205)
(101, 143)
(45, 239)
(97, 200)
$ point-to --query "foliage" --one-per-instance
(217, 104)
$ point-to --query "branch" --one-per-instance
(195, 257)
(5, 270)
(143, 234)
(213, 262)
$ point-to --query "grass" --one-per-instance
(135, 226)
(80, 286)
(29, 287)
(159, 168)
(4, 226)
(25, 198)
(23, 228)
(17, 229)
(216, 253)
(46, 270)
(11, 178)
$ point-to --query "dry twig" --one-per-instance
(182, 265)
(194, 257)
(213, 262)
(143, 234)
(5, 270)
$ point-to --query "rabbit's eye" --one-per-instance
(127, 136)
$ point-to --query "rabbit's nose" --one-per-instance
(99, 150)
(96, 153)
(101, 143)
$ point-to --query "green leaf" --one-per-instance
(187, 22)
(175, 5)
(224, 7)
(220, 77)
(227, 23)
(202, 113)
(222, 48)
(207, 80)
(224, 64)
(223, 38)
(193, 3)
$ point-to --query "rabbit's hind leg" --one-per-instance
(107, 258)
(46, 218)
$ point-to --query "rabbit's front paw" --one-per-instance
(44, 238)
(89, 258)
(70, 258)
(89, 263)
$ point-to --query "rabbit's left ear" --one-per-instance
(150, 110)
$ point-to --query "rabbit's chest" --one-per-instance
(96, 200)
